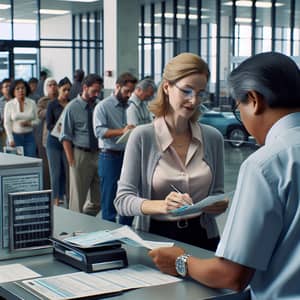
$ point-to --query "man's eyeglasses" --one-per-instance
(190, 93)
(237, 114)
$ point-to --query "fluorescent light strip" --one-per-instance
(24, 21)
(53, 12)
(193, 8)
(243, 20)
(180, 16)
(4, 6)
(258, 4)
(148, 24)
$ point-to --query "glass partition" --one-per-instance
(4, 65)
(25, 63)
(25, 21)
(5, 20)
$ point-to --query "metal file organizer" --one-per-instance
(30, 220)
(17, 174)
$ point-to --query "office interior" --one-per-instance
(112, 36)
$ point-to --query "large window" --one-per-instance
(223, 32)
(57, 35)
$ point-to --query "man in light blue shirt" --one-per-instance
(137, 112)
(260, 244)
(110, 123)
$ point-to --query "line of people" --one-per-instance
(74, 160)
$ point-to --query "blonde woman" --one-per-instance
(174, 150)
(20, 116)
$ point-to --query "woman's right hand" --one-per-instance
(12, 144)
(175, 200)
(172, 201)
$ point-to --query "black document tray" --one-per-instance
(99, 258)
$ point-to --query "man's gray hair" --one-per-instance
(145, 84)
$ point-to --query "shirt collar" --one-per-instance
(25, 100)
(134, 98)
(82, 102)
(116, 102)
(164, 136)
(85, 104)
(283, 124)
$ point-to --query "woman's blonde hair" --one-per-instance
(177, 68)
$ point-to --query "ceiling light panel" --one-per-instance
(4, 6)
(53, 12)
(259, 4)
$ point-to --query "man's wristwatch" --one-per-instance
(181, 264)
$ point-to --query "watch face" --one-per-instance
(181, 265)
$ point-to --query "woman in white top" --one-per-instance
(174, 152)
(20, 116)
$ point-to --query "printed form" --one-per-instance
(80, 284)
(16, 272)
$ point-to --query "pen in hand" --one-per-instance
(175, 189)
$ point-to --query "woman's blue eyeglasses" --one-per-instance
(190, 93)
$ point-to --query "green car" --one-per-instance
(233, 131)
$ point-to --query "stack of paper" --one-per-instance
(123, 234)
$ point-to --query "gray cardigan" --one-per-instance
(141, 157)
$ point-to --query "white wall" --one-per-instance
(59, 60)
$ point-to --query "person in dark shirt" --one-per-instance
(77, 84)
(55, 152)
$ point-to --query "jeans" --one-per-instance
(109, 169)
(57, 166)
(27, 141)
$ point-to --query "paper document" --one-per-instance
(16, 272)
(124, 137)
(123, 234)
(198, 207)
(57, 128)
(84, 285)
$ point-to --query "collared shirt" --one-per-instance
(13, 117)
(109, 113)
(193, 177)
(263, 225)
(137, 112)
(75, 123)
(141, 157)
